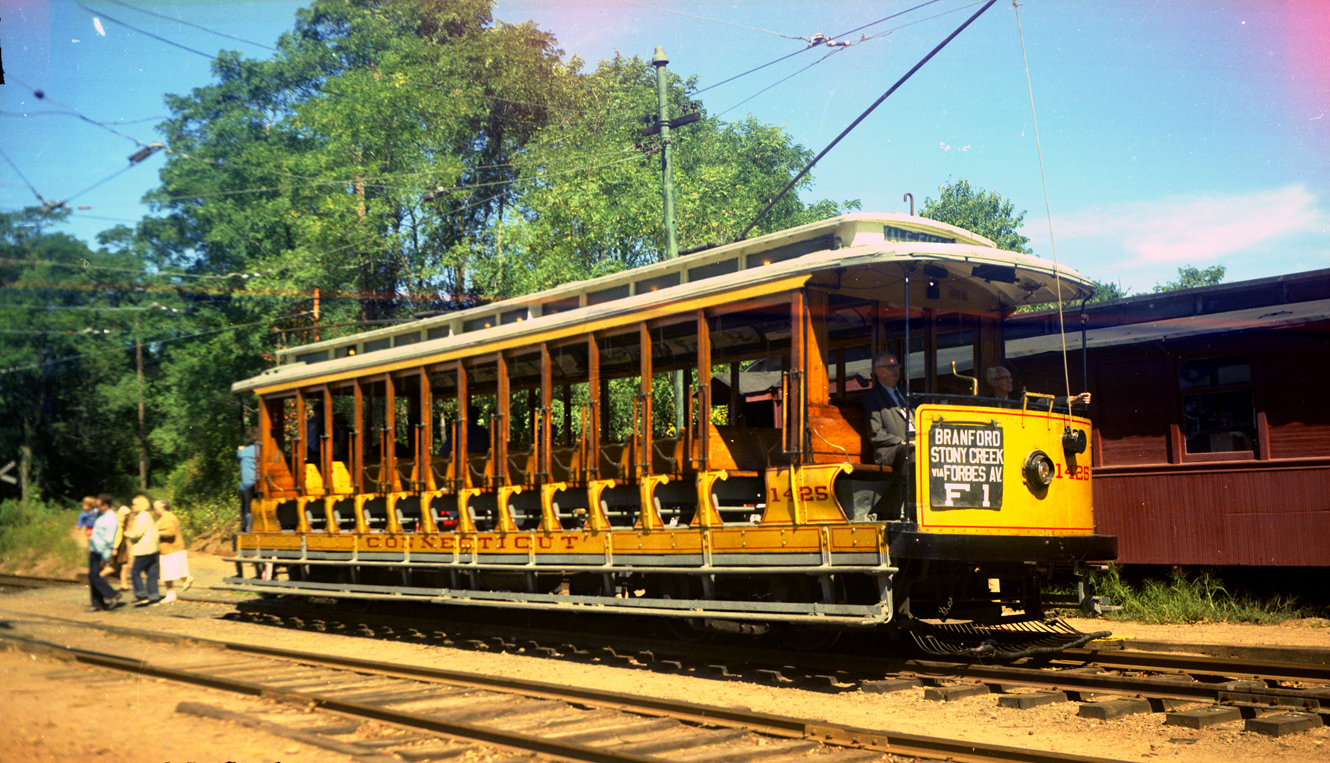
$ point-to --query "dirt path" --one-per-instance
(58, 712)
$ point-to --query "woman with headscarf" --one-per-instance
(172, 549)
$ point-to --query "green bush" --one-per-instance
(1194, 597)
(36, 531)
(204, 515)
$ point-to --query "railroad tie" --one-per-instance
(954, 692)
(1107, 710)
(1203, 717)
(1032, 699)
(1283, 724)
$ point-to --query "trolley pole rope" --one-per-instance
(1057, 271)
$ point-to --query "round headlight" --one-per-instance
(1039, 470)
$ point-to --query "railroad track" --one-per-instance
(1273, 697)
(443, 713)
(25, 582)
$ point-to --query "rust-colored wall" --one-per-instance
(1256, 516)
(1271, 508)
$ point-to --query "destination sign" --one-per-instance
(965, 466)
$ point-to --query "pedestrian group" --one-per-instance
(136, 546)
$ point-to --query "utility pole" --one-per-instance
(666, 176)
(667, 192)
(143, 435)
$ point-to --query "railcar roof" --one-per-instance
(863, 255)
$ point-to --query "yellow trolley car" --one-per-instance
(686, 440)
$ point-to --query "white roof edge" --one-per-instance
(725, 251)
(807, 264)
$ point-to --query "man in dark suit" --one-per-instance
(888, 415)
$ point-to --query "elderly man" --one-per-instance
(1000, 380)
(887, 413)
(145, 547)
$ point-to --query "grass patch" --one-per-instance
(1191, 597)
(36, 534)
(207, 516)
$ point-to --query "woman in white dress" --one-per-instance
(174, 565)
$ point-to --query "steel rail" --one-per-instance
(1030, 672)
(472, 732)
(33, 581)
(910, 745)
(1302, 670)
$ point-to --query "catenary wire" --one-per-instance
(22, 177)
(130, 27)
(196, 26)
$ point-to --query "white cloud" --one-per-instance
(1192, 229)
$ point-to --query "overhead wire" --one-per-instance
(196, 26)
(26, 115)
(71, 111)
(97, 13)
(112, 268)
(106, 179)
(23, 177)
(810, 47)
(778, 82)
(161, 341)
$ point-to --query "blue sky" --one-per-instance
(1173, 133)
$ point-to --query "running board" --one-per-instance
(837, 615)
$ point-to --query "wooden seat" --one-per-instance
(667, 456)
(840, 435)
(522, 467)
(742, 449)
(616, 461)
(442, 467)
(566, 464)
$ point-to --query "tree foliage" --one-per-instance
(987, 213)
(1190, 277)
(398, 156)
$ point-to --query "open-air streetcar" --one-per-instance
(686, 440)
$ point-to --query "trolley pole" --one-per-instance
(666, 176)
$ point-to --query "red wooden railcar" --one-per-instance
(1212, 430)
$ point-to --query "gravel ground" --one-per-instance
(59, 711)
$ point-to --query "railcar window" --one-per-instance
(443, 420)
(313, 442)
(857, 362)
(288, 434)
(407, 431)
(343, 440)
(1217, 411)
(955, 346)
(374, 434)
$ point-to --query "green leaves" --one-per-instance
(984, 212)
(397, 156)
(1190, 277)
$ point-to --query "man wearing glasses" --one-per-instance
(887, 412)
(1003, 385)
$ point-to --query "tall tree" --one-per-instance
(409, 155)
(69, 393)
(593, 200)
(987, 213)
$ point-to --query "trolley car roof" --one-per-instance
(861, 255)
